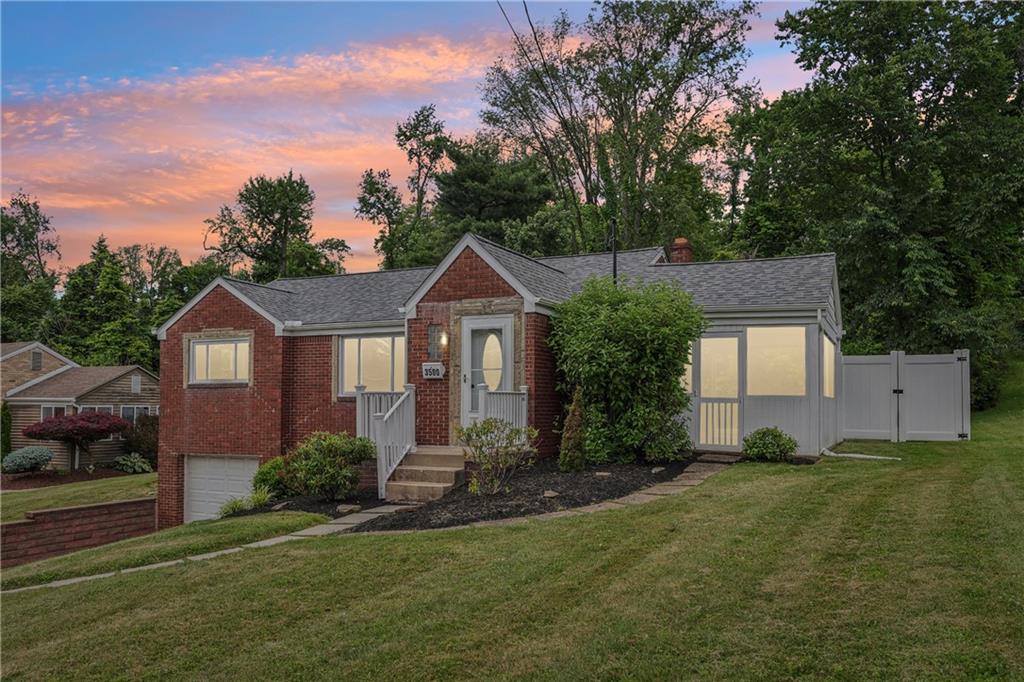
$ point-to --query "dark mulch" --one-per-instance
(526, 495)
(366, 499)
(42, 479)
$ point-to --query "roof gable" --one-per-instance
(12, 348)
(256, 296)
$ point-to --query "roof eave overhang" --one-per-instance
(38, 380)
(345, 328)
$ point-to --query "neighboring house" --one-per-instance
(24, 361)
(406, 356)
(67, 388)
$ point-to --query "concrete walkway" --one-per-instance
(693, 475)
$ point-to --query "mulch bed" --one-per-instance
(526, 495)
(43, 479)
(366, 499)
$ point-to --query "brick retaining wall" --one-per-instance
(50, 532)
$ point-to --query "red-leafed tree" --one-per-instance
(77, 430)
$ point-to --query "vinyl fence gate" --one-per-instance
(902, 397)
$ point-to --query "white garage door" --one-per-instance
(211, 481)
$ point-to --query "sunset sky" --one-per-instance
(138, 120)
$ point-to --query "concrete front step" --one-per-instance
(415, 491)
(433, 459)
(450, 475)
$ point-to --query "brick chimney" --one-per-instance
(681, 251)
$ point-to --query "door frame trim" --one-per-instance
(506, 323)
(741, 387)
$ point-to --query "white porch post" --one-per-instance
(524, 417)
(361, 416)
(411, 390)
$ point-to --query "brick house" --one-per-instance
(39, 382)
(406, 356)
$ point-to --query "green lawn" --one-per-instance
(844, 570)
(14, 504)
(174, 543)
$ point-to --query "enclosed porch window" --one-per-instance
(776, 361)
(376, 362)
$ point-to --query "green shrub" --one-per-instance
(499, 449)
(133, 463)
(5, 429)
(22, 460)
(260, 496)
(571, 456)
(625, 347)
(143, 437)
(769, 444)
(272, 476)
(235, 505)
(325, 464)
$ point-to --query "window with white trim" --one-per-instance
(776, 361)
(101, 409)
(219, 361)
(828, 367)
(52, 411)
(377, 362)
(130, 412)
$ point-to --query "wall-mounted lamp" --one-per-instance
(437, 342)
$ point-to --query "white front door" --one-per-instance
(486, 361)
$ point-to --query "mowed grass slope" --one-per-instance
(165, 545)
(846, 570)
(15, 503)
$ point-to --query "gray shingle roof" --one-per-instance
(11, 346)
(796, 280)
(73, 382)
(542, 280)
(633, 263)
(369, 297)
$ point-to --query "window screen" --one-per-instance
(776, 361)
(220, 361)
(828, 367)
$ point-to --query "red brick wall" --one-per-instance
(309, 403)
(544, 404)
(58, 531)
(232, 420)
(468, 277)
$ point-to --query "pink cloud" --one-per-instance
(148, 160)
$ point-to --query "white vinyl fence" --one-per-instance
(902, 397)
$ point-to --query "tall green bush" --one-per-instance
(5, 429)
(326, 464)
(625, 347)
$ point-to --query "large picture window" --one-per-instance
(828, 367)
(776, 361)
(376, 362)
(219, 361)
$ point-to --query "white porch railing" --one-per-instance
(509, 406)
(389, 420)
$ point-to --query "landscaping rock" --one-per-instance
(281, 505)
(550, 493)
(348, 508)
(602, 474)
(657, 470)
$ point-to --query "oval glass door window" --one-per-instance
(492, 362)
